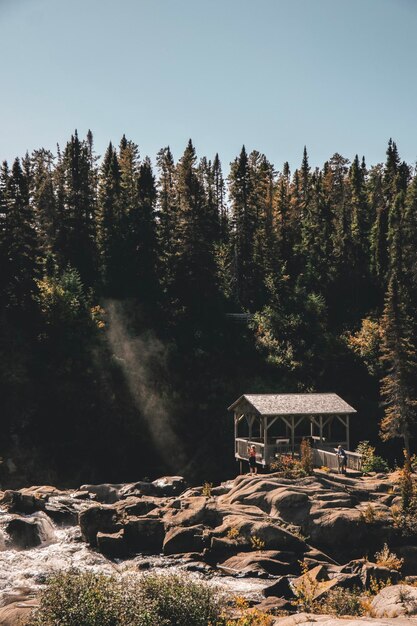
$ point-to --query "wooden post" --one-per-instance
(347, 433)
(321, 429)
(292, 434)
(311, 427)
(265, 424)
(236, 430)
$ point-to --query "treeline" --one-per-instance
(118, 356)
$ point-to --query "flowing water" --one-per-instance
(23, 572)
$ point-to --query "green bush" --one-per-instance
(179, 601)
(340, 602)
(371, 462)
(86, 599)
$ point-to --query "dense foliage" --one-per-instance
(118, 350)
(87, 599)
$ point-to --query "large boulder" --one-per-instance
(190, 512)
(112, 545)
(254, 534)
(180, 540)
(140, 488)
(61, 513)
(17, 502)
(98, 518)
(144, 534)
(339, 531)
(29, 532)
(395, 600)
(105, 493)
(281, 588)
(168, 486)
(291, 506)
(17, 613)
(261, 563)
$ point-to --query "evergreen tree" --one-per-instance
(141, 239)
(44, 202)
(111, 241)
(194, 268)
(399, 360)
(20, 240)
(78, 210)
(167, 214)
(243, 227)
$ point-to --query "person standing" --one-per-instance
(342, 460)
(252, 460)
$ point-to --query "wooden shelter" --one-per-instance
(276, 424)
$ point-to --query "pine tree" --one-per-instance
(243, 227)
(44, 202)
(78, 210)
(20, 240)
(194, 280)
(142, 241)
(111, 239)
(167, 214)
(399, 360)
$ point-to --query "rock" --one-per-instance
(274, 605)
(180, 540)
(25, 532)
(112, 545)
(17, 502)
(61, 514)
(43, 491)
(271, 535)
(140, 488)
(395, 600)
(291, 506)
(348, 581)
(280, 589)
(169, 486)
(372, 572)
(17, 613)
(98, 518)
(409, 554)
(82, 495)
(192, 511)
(105, 493)
(338, 530)
(307, 619)
(144, 534)
(136, 506)
(258, 563)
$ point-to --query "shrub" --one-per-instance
(207, 488)
(289, 467)
(306, 456)
(340, 601)
(180, 601)
(371, 462)
(385, 558)
(87, 599)
(245, 616)
(257, 543)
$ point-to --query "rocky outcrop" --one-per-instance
(394, 601)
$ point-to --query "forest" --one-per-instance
(120, 281)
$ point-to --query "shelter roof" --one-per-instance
(294, 404)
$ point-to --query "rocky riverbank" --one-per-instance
(254, 536)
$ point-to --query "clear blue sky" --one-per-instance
(336, 75)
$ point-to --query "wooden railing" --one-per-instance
(327, 458)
